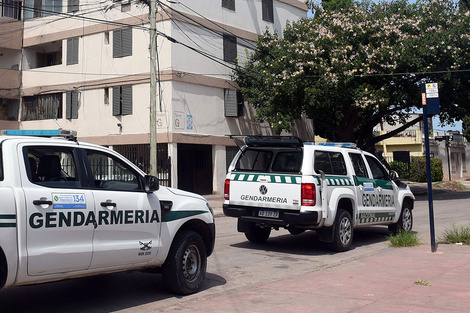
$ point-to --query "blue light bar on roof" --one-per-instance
(338, 144)
(40, 132)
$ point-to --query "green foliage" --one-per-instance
(456, 234)
(337, 5)
(418, 169)
(401, 168)
(350, 69)
(466, 127)
(405, 239)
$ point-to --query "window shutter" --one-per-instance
(228, 4)
(68, 105)
(116, 100)
(75, 105)
(72, 51)
(126, 47)
(230, 102)
(73, 6)
(126, 100)
(230, 48)
(267, 10)
(117, 43)
(71, 105)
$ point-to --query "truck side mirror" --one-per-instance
(393, 175)
(151, 183)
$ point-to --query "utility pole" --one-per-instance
(153, 87)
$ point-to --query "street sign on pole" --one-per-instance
(430, 101)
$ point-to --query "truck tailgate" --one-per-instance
(268, 191)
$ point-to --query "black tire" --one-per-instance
(343, 231)
(405, 222)
(186, 263)
(257, 234)
(3, 270)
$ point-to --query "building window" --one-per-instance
(73, 6)
(122, 100)
(72, 51)
(233, 103)
(10, 8)
(49, 58)
(106, 38)
(267, 10)
(71, 105)
(122, 42)
(41, 8)
(42, 107)
(230, 48)
(228, 4)
(9, 109)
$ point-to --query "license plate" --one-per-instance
(268, 213)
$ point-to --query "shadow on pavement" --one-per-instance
(308, 244)
(104, 293)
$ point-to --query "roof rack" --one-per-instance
(68, 134)
(273, 141)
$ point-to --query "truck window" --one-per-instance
(378, 172)
(329, 162)
(112, 174)
(289, 162)
(358, 164)
(254, 160)
(52, 167)
(1, 164)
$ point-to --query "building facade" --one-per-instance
(84, 65)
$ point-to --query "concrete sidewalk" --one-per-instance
(392, 280)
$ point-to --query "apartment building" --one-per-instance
(11, 29)
(85, 65)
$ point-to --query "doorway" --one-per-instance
(195, 168)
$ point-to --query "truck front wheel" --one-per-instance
(343, 231)
(257, 234)
(405, 222)
(185, 267)
(3, 269)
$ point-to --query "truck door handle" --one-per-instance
(42, 202)
(113, 204)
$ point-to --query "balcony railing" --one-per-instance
(10, 8)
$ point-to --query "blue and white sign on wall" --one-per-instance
(189, 121)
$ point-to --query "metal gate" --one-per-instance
(140, 155)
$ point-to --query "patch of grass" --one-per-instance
(456, 234)
(422, 283)
(404, 239)
(452, 185)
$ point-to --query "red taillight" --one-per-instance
(308, 194)
(227, 189)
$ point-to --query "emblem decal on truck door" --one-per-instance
(263, 190)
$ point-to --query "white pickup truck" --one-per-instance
(73, 209)
(278, 182)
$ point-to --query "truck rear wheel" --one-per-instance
(343, 231)
(186, 263)
(405, 222)
(257, 234)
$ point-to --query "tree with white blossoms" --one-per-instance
(349, 70)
